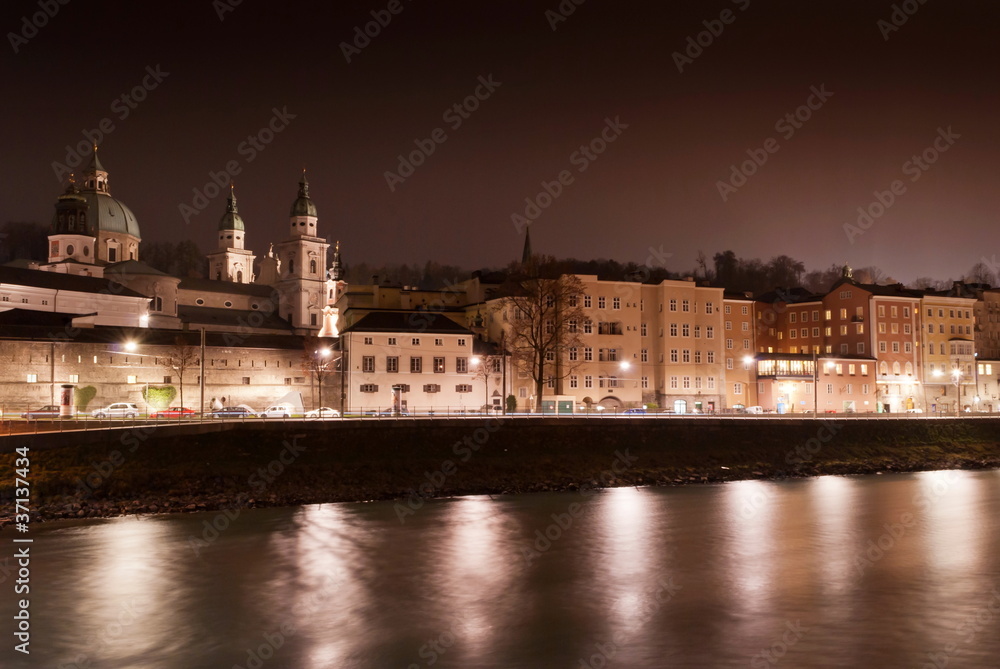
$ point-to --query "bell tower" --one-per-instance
(302, 265)
(231, 261)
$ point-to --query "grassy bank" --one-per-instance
(329, 462)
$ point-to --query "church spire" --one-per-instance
(526, 253)
(96, 177)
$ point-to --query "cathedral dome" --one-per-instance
(231, 220)
(110, 215)
(303, 206)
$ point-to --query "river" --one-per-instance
(899, 570)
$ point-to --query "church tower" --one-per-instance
(71, 237)
(302, 265)
(231, 261)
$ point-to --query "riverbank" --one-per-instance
(140, 470)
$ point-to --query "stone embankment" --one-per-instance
(137, 470)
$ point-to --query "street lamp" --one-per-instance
(321, 364)
(130, 346)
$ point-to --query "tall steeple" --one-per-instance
(336, 272)
(231, 261)
(96, 177)
(526, 253)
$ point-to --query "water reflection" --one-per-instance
(703, 576)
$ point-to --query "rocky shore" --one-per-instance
(243, 468)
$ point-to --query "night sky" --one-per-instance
(656, 185)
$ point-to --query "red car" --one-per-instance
(174, 412)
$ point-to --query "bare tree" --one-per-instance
(181, 357)
(488, 367)
(870, 274)
(981, 273)
(543, 319)
(319, 361)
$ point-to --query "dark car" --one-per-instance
(390, 412)
(630, 412)
(174, 412)
(234, 412)
(50, 411)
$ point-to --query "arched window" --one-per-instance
(291, 265)
(883, 368)
(239, 276)
(312, 266)
(908, 369)
(218, 276)
(895, 368)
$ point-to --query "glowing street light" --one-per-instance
(130, 346)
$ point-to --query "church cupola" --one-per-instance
(96, 177)
(231, 261)
(303, 212)
(71, 236)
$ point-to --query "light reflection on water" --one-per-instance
(877, 571)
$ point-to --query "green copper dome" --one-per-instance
(231, 220)
(303, 206)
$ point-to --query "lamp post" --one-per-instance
(321, 363)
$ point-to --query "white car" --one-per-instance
(754, 409)
(323, 412)
(117, 410)
(276, 411)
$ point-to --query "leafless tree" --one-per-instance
(182, 356)
(319, 360)
(543, 318)
(981, 273)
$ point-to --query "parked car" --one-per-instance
(634, 411)
(174, 412)
(755, 409)
(276, 411)
(323, 412)
(391, 412)
(50, 411)
(117, 410)
(915, 410)
(241, 411)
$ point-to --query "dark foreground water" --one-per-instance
(881, 571)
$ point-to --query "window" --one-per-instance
(463, 388)
(642, 330)
(416, 365)
(432, 388)
(861, 347)
(697, 331)
(246, 380)
(708, 307)
(586, 301)
(573, 354)
(616, 303)
(686, 382)
(368, 363)
(729, 325)
(588, 353)
(130, 378)
(673, 382)
(368, 341)
(828, 315)
(685, 305)
(697, 383)
(906, 312)
(895, 347)
(686, 355)
(728, 309)
(74, 378)
(392, 341)
(573, 300)
(791, 317)
(392, 364)
(729, 343)
(439, 342)
(439, 365)
(522, 392)
(738, 388)
(644, 355)
(685, 330)
(462, 365)
(881, 347)
(894, 311)
(711, 357)
(674, 355)
(709, 332)
(588, 327)
(588, 381)
(415, 341)
(907, 347)
(574, 381)
(572, 326)
(369, 388)
(729, 363)
(829, 389)
(673, 305)
(602, 302)
(865, 388)
(746, 310)
(673, 329)
(33, 378)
